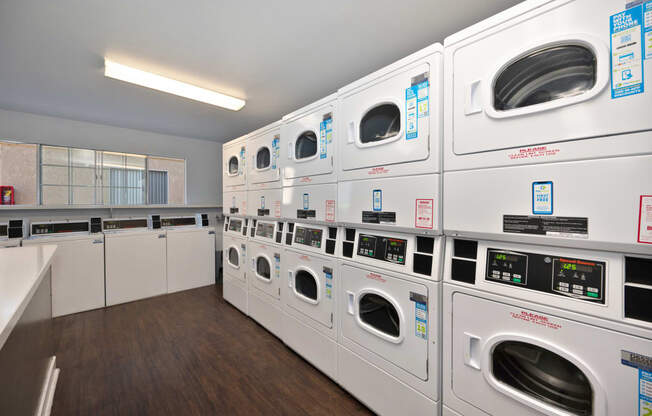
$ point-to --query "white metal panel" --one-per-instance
(77, 273)
(575, 127)
(319, 168)
(232, 152)
(301, 201)
(266, 139)
(135, 265)
(190, 258)
(271, 255)
(234, 203)
(479, 325)
(398, 155)
(264, 203)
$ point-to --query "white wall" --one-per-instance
(203, 158)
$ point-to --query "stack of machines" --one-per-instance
(468, 231)
(548, 172)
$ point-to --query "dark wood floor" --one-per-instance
(189, 353)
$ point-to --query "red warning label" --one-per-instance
(330, 210)
(535, 319)
(424, 213)
(645, 220)
(533, 152)
(378, 171)
(277, 209)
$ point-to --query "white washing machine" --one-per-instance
(235, 203)
(309, 284)
(263, 148)
(390, 123)
(12, 233)
(234, 161)
(540, 330)
(135, 259)
(234, 266)
(309, 156)
(78, 265)
(550, 112)
(389, 307)
(190, 252)
(264, 253)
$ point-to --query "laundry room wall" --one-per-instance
(203, 157)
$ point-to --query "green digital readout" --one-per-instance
(569, 266)
(501, 256)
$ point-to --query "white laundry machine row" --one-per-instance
(78, 265)
(550, 111)
(190, 252)
(533, 330)
(234, 165)
(309, 283)
(263, 149)
(12, 233)
(389, 307)
(234, 262)
(264, 254)
(135, 259)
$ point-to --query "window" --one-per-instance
(263, 158)
(306, 284)
(70, 176)
(18, 168)
(306, 145)
(380, 314)
(380, 123)
(544, 375)
(545, 75)
(263, 268)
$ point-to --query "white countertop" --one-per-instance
(21, 272)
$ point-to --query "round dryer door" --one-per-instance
(233, 166)
(380, 123)
(306, 286)
(306, 145)
(263, 268)
(543, 375)
(263, 158)
(380, 314)
(234, 257)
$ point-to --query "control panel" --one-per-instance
(577, 278)
(235, 225)
(125, 224)
(382, 248)
(308, 236)
(47, 228)
(178, 221)
(265, 229)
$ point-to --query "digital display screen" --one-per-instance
(177, 222)
(308, 236)
(576, 267)
(265, 229)
(505, 257)
(235, 225)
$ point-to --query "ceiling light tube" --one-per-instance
(157, 82)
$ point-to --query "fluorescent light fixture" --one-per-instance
(157, 82)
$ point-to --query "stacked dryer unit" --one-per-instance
(548, 177)
(265, 229)
(389, 195)
(234, 235)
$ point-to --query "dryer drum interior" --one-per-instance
(234, 257)
(543, 375)
(263, 268)
(380, 123)
(379, 313)
(263, 158)
(306, 145)
(545, 75)
(306, 284)
(233, 165)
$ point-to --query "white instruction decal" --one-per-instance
(423, 216)
(645, 220)
(330, 210)
(626, 52)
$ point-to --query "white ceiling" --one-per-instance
(278, 55)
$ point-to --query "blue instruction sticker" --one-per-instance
(542, 198)
(329, 285)
(262, 202)
(275, 151)
(378, 200)
(647, 33)
(421, 320)
(627, 52)
(277, 265)
(329, 130)
(322, 140)
(644, 393)
(243, 160)
(411, 114)
(306, 201)
(423, 102)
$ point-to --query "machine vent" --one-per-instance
(347, 249)
(463, 271)
(96, 225)
(425, 244)
(638, 288)
(422, 264)
(279, 237)
(330, 246)
(290, 227)
(350, 234)
(466, 249)
(288, 239)
(332, 233)
(226, 224)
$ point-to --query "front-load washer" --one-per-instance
(78, 265)
(309, 284)
(263, 148)
(234, 242)
(234, 165)
(264, 253)
(540, 330)
(190, 251)
(538, 111)
(135, 259)
(12, 233)
(389, 307)
(235, 203)
(390, 123)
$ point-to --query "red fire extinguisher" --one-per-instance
(7, 195)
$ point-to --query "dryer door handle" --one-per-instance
(351, 303)
(290, 278)
(290, 147)
(350, 132)
(472, 351)
(472, 104)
